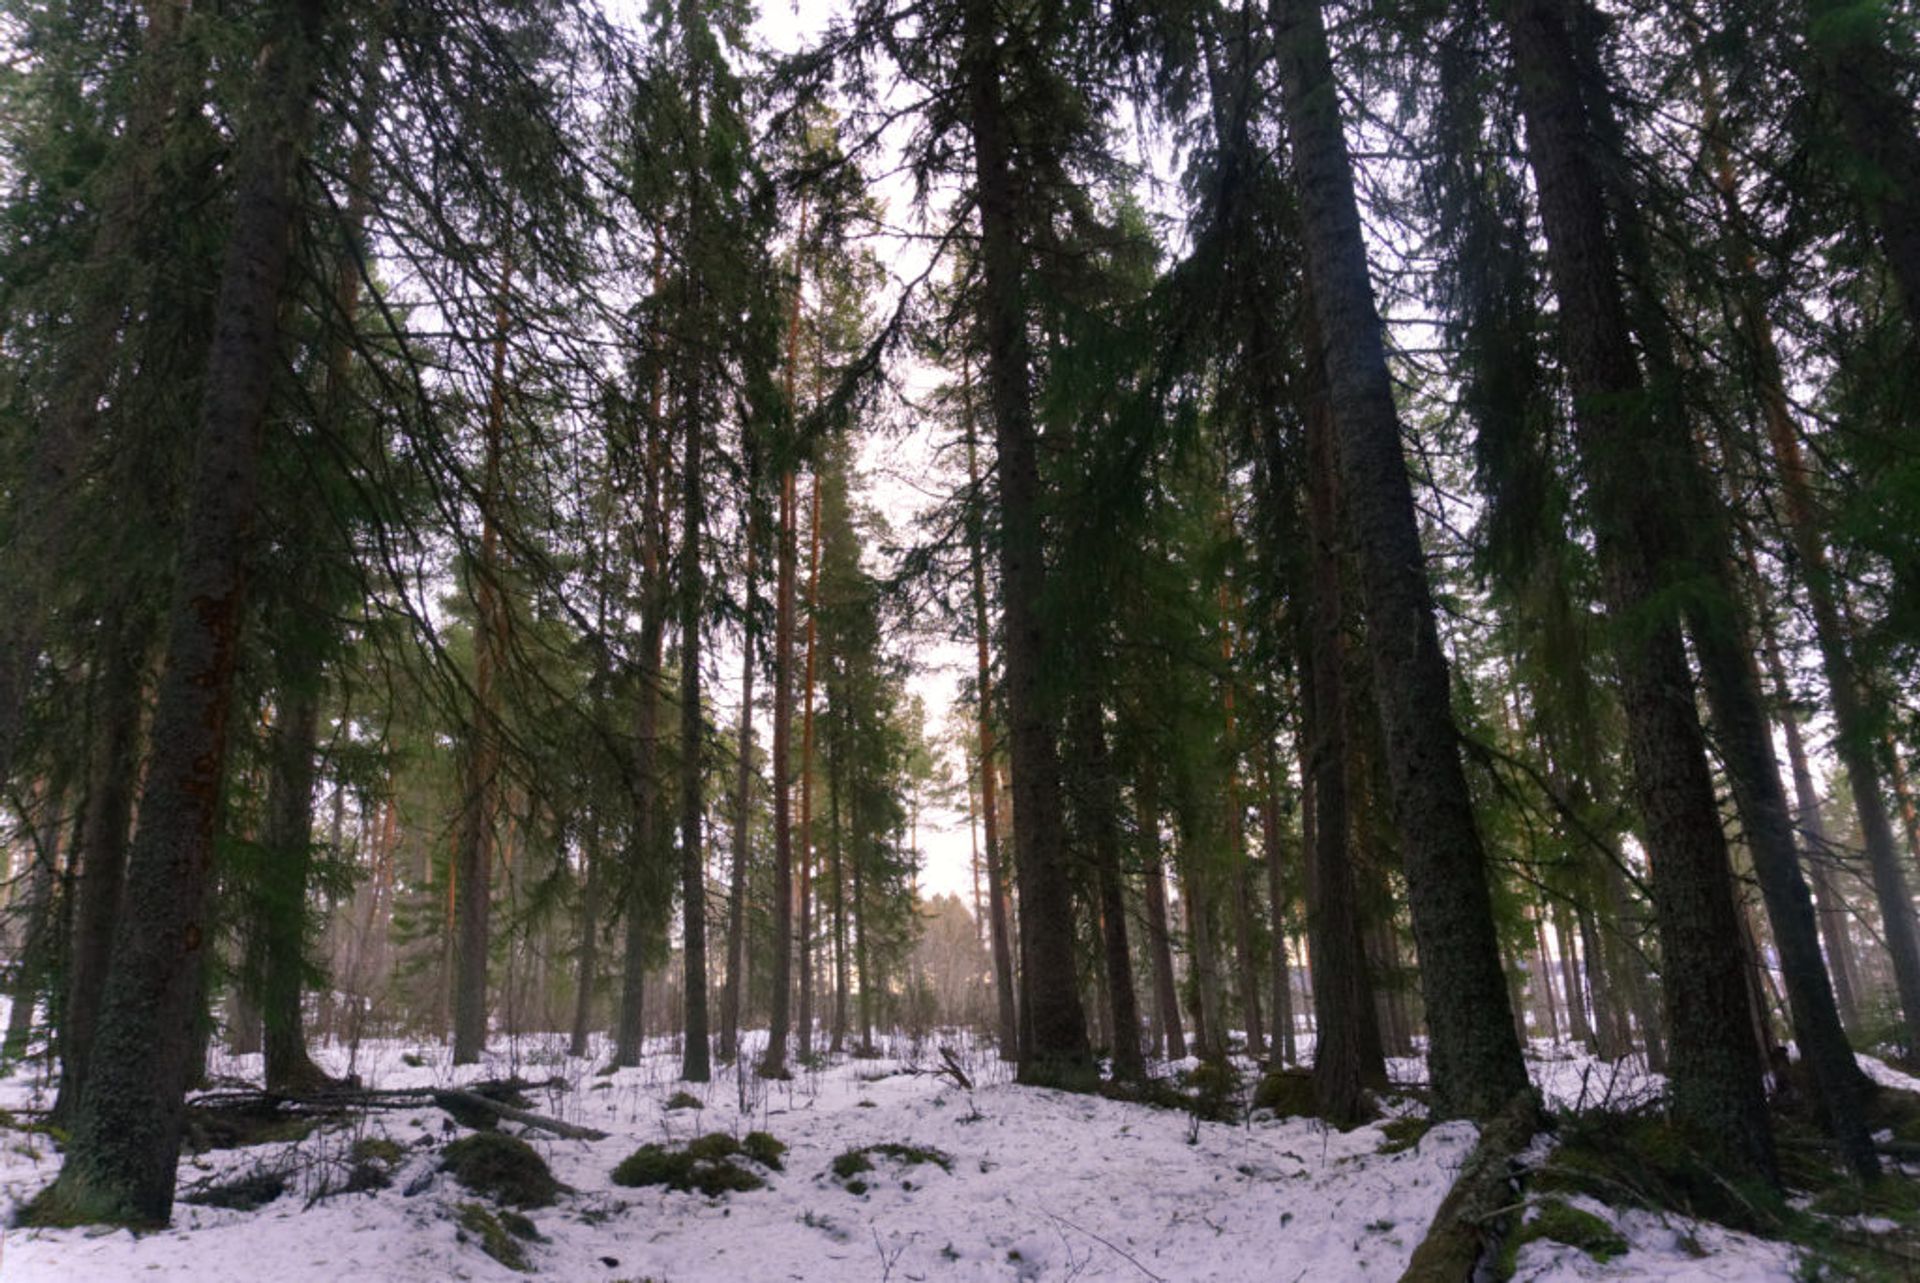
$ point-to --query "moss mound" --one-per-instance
(503, 1168)
(1564, 1223)
(763, 1149)
(1288, 1093)
(493, 1236)
(707, 1164)
(1641, 1160)
(684, 1100)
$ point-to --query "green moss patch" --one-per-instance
(1404, 1133)
(493, 1237)
(763, 1149)
(503, 1168)
(684, 1100)
(710, 1164)
(1563, 1223)
(851, 1167)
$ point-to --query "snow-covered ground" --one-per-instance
(1043, 1185)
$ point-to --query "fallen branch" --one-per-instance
(1477, 1212)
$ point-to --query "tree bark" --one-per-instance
(121, 1162)
(774, 1063)
(694, 1066)
(1715, 1082)
(105, 825)
(288, 838)
(736, 942)
(1053, 1024)
(647, 842)
(806, 781)
(1346, 1055)
(1103, 803)
(1474, 1056)
(586, 958)
(989, 772)
(480, 788)
(1166, 993)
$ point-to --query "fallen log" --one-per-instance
(1477, 1213)
(462, 1103)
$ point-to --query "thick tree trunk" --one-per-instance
(104, 832)
(1746, 750)
(1715, 1075)
(1346, 1055)
(1474, 1057)
(1054, 1045)
(120, 1164)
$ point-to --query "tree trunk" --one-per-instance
(1715, 1076)
(1474, 1057)
(989, 773)
(1166, 993)
(288, 838)
(1103, 804)
(742, 822)
(840, 959)
(1054, 1045)
(1242, 865)
(480, 800)
(1345, 1056)
(104, 831)
(806, 782)
(121, 1162)
(774, 1063)
(586, 958)
(1284, 1052)
(694, 1065)
(647, 842)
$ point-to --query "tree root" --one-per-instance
(1477, 1214)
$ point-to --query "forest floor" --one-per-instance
(991, 1181)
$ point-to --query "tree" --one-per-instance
(1474, 1055)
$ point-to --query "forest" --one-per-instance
(1187, 639)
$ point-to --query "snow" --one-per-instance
(1676, 1249)
(1044, 1185)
